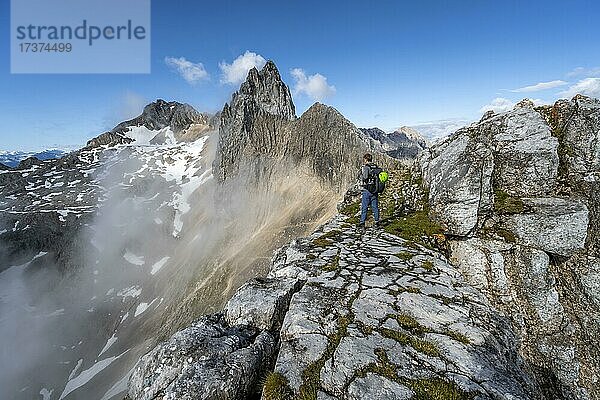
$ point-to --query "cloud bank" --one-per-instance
(589, 87)
(314, 86)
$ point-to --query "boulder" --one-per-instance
(261, 303)
(207, 361)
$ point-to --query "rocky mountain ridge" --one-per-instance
(74, 232)
(403, 143)
(345, 316)
(260, 132)
(481, 283)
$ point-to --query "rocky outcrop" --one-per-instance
(260, 134)
(251, 125)
(354, 317)
(208, 360)
(516, 193)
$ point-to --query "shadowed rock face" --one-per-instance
(518, 192)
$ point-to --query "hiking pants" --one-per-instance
(369, 199)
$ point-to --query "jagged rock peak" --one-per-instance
(267, 90)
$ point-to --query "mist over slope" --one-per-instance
(114, 247)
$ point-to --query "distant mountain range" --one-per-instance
(13, 158)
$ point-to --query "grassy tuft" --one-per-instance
(459, 337)
(405, 255)
(277, 387)
(507, 204)
(415, 227)
(437, 389)
(334, 265)
(427, 265)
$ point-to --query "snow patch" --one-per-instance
(132, 291)
(76, 369)
(124, 317)
(133, 259)
(141, 135)
(140, 309)
(46, 394)
(143, 307)
(158, 265)
(109, 343)
(119, 387)
(87, 375)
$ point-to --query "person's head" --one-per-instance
(367, 158)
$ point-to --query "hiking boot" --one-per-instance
(360, 228)
(376, 224)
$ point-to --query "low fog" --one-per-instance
(163, 250)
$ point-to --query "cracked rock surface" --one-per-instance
(381, 318)
(343, 315)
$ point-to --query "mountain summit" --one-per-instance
(259, 130)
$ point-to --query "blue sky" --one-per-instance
(384, 63)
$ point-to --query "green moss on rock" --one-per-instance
(405, 255)
(416, 227)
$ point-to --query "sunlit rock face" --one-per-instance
(518, 192)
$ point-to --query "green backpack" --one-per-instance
(377, 179)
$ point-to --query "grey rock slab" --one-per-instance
(555, 225)
(207, 360)
(373, 386)
(261, 303)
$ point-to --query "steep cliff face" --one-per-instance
(518, 194)
(251, 126)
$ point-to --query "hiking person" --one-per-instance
(369, 175)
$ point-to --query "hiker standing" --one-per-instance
(370, 193)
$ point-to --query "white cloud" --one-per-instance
(314, 86)
(584, 72)
(499, 104)
(540, 86)
(236, 72)
(191, 72)
(589, 87)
